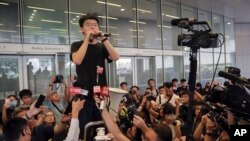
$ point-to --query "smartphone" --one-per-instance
(39, 101)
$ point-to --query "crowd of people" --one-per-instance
(153, 114)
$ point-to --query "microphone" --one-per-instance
(232, 77)
(100, 34)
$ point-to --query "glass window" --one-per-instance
(121, 23)
(170, 11)
(231, 59)
(45, 22)
(149, 30)
(218, 27)
(80, 8)
(144, 71)
(9, 76)
(221, 66)
(205, 16)
(65, 66)
(206, 67)
(39, 71)
(173, 67)
(9, 21)
(121, 71)
(159, 71)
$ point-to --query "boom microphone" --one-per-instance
(232, 77)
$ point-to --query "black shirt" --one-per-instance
(87, 70)
(42, 133)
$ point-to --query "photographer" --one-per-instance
(57, 103)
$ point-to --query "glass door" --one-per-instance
(37, 71)
(10, 78)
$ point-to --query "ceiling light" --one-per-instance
(74, 19)
(34, 10)
(31, 17)
(165, 26)
(30, 20)
(115, 34)
(55, 29)
(77, 16)
(1, 24)
(138, 22)
(136, 30)
(104, 17)
(33, 14)
(122, 9)
(138, 36)
(40, 8)
(142, 10)
(4, 3)
(50, 21)
(108, 3)
(7, 31)
(171, 16)
(228, 23)
(76, 13)
(26, 26)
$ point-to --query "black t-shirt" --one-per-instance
(87, 70)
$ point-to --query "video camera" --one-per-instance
(201, 38)
(235, 96)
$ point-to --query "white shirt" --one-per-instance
(164, 99)
(74, 130)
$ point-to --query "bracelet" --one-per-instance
(104, 40)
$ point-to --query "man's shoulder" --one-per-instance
(76, 44)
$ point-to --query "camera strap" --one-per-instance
(57, 107)
(169, 98)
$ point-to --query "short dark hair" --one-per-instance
(14, 128)
(12, 96)
(160, 87)
(163, 132)
(88, 16)
(168, 109)
(183, 80)
(123, 83)
(134, 87)
(174, 80)
(151, 79)
(25, 92)
(168, 84)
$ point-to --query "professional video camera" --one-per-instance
(199, 38)
(235, 96)
(128, 112)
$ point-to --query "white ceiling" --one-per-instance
(237, 9)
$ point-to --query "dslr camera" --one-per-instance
(59, 78)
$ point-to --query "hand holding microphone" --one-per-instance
(100, 36)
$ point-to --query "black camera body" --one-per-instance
(59, 78)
